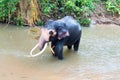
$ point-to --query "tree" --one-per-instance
(28, 12)
(20, 12)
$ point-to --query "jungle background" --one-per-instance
(98, 57)
(37, 12)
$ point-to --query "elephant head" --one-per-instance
(51, 31)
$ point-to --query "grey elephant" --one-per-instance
(66, 31)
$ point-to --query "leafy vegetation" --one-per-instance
(7, 9)
(80, 9)
(113, 6)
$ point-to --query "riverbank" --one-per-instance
(101, 16)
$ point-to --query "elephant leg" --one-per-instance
(76, 45)
(69, 47)
(59, 50)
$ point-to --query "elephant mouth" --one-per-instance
(51, 38)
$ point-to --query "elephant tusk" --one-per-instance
(39, 53)
(52, 51)
(51, 48)
(33, 49)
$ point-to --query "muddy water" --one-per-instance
(98, 57)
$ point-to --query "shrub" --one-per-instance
(80, 9)
(7, 9)
(113, 6)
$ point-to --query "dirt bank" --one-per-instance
(100, 16)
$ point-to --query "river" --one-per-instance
(98, 57)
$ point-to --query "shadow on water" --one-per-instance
(98, 57)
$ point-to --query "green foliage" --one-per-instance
(96, 0)
(19, 21)
(85, 21)
(7, 8)
(80, 9)
(40, 22)
(113, 6)
(47, 7)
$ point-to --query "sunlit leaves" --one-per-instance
(80, 9)
(7, 8)
(113, 6)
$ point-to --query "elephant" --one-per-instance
(65, 31)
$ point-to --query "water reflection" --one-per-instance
(98, 57)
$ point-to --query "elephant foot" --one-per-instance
(55, 55)
(60, 58)
(69, 47)
(76, 45)
(76, 48)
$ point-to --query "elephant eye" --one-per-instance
(51, 33)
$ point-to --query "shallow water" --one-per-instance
(98, 57)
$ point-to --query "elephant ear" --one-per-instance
(62, 30)
(63, 34)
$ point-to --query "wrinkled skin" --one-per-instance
(65, 31)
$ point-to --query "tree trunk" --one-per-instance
(29, 12)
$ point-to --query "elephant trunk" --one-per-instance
(43, 40)
(42, 44)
